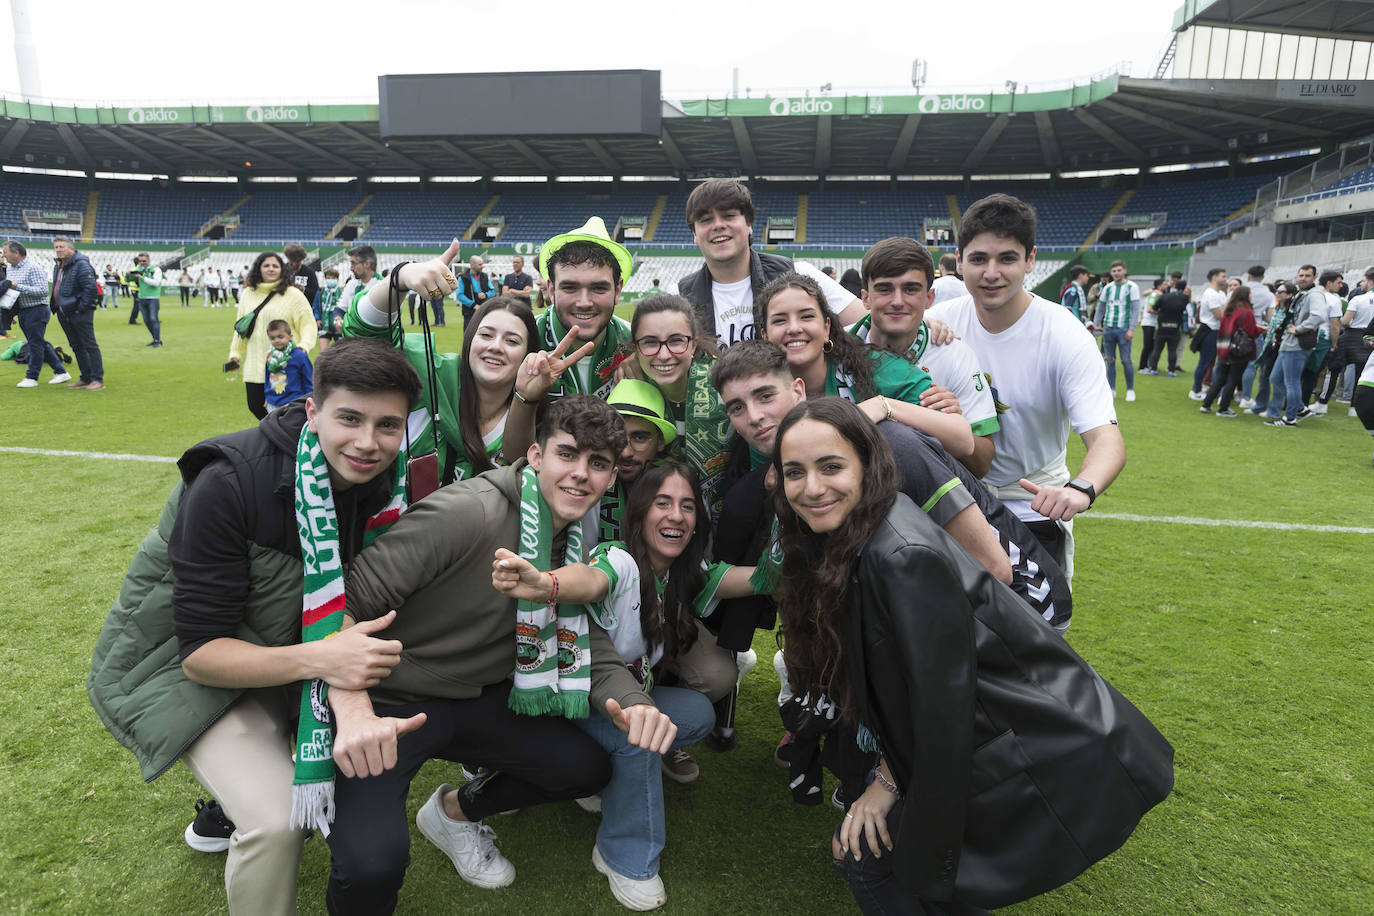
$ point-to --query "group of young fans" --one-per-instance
(546, 558)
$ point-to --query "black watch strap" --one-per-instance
(1085, 487)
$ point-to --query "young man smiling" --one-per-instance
(1046, 376)
(897, 276)
(202, 658)
(494, 683)
(585, 271)
(647, 433)
(720, 213)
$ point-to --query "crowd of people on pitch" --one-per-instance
(1269, 347)
(546, 558)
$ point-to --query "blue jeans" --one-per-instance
(1247, 381)
(150, 307)
(79, 325)
(436, 308)
(1205, 357)
(33, 321)
(632, 831)
(1113, 342)
(1285, 383)
(1260, 369)
(112, 296)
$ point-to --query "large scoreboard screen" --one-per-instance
(574, 102)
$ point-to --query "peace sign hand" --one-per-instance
(541, 371)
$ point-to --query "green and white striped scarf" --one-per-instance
(322, 613)
(553, 657)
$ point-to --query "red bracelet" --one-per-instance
(553, 595)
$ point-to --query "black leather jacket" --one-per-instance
(1019, 764)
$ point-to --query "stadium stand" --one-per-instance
(1196, 205)
(18, 196)
(873, 213)
(430, 215)
(138, 212)
(857, 215)
(1066, 216)
(304, 216)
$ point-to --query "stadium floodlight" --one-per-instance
(918, 74)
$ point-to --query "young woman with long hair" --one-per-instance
(1007, 765)
(790, 312)
(647, 592)
(1239, 315)
(497, 340)
(269, 281)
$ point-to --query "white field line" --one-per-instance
(103, 456)
(1113, 516)
(1223, 522)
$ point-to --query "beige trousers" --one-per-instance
(244, 762)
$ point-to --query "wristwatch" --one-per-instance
(1084, 486)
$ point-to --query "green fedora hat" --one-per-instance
(633, 398)
(594, 231)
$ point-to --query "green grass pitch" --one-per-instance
(1250, 648)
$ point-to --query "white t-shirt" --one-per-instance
(1211, 299)
(1363, 307)
(948, 287)
(734, 303)
(1261, 300)
(1047, 378)
(619, 613)
(1333, 310)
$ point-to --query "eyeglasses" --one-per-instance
(677, 345)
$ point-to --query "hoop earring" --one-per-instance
(827, 346)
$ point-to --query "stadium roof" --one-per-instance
(1112, 122)
(1352, 19)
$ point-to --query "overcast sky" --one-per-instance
(175, 50)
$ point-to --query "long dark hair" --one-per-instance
(677, 630)
(812, 595)
(1239, 296)
(255, 272)
(468, 399)
(846, 352)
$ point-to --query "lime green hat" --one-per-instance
(633, 398)
(594, 231)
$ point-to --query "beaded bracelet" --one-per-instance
(883, 781)
(553, 595)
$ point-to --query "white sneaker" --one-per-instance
(468, 844)
(1351, 413)
(745, 661)
(591, 804)
(1196, 395)
(59, 379)
(641, 896)
(1247, 403)
(1130, 394)
(1318, 409)
(27, 383)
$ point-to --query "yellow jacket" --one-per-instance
(290, 307)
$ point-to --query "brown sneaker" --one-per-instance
(79, 385)
(679, 766)
(96, 386)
